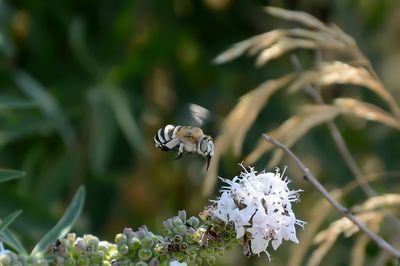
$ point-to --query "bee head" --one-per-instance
(206, 148)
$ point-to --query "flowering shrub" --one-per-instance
(254, 209)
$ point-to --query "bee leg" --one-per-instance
(179, 156)
(180, 151)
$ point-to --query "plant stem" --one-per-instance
(308, 175)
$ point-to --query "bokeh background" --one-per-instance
(84, 85)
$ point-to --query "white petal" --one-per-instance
(260, 218)
(177, 263)
(247, 213)
(292, 237)
(259, 245)
(239, 231)
(277, 242)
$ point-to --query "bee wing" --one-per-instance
(199, 114)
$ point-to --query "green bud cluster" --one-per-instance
(82, 251)
(138, 246)
(188, 240)
(130, 248)
(9, 258)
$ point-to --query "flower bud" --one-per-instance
(203, 252)
(123, 249)
(154, 262)
(229, 227)
(197, 236)
(83, 261)
(182, 216)
(189, 238)
(160, 249)
(178, 239)
(142, 232)
(179, 255)
(226, 236)
(145, 254)
(76, 251)
(167, 233)
(128, 232)
(134, 243)
(97, 257)
(71, 237)
(164, 257)
(147, 242)
(194, 221)
(168, 224)
(92, 242)
(13, 257)
(210, 259)
(206, 216)
(120, 239)
(191, 230)
(176, 221)
(5, 260)
(180, 229)
(103, 246)
(183, 246)
(80, 244)
(70, 262)
(216, 228)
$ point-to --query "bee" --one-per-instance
(188, 139)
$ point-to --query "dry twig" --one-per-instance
(308, 175)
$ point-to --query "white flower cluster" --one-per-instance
(177, 263)
(260, 204)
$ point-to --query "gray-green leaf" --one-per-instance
(9, 239)
(8, 220)
(8, 174)
(64, 225)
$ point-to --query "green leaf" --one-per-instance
(26, 127)
(103, 132)
(79, 46)
(45, 100)
(8, 102)
(120, 106)
(64, 225)
(8, 174)
(9, 239)
(56, 176)
(8, 220)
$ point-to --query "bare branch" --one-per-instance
(308, 175)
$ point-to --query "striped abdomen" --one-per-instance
(165, 137)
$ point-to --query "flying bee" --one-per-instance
(188, 139)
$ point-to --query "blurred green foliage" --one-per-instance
(84, 85)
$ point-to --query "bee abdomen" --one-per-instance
(164, 136)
